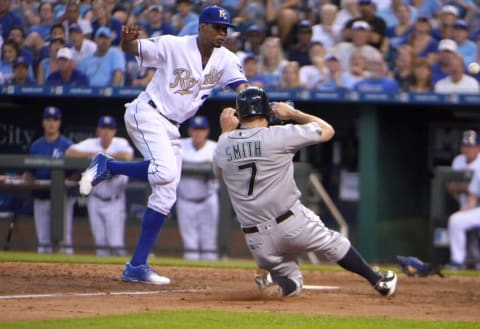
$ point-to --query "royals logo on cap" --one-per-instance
(107, 122)
(470, 137)
(52, 112)
(198, 122)
(215, 15)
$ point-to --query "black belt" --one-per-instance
(152, 104)
(279, 219)
(115, 197)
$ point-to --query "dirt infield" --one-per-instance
(78, 290)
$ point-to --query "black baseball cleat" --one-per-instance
(267, 287)
(387, 285)
(95, 173)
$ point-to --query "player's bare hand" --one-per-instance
(283, 111)
(130, 33)
(228, 119)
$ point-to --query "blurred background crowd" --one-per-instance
(361, 45)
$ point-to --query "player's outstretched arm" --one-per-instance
(128, 41)
(228, 119)
(283, 111)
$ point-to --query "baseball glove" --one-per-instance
(413, 266)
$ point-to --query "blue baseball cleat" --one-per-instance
(95, 173)
(143, 274)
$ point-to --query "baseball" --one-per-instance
(473, 68)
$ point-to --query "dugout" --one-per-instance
(393, 143)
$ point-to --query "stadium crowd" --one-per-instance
(361, 45)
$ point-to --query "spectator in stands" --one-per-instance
(403, 68)
(299, 51)
(122, 15)
(378, 80)
(284, 15)
(271, 61)
(10, 51)
(81, 46)
(391, 14)
(184, 15)
(457, 82)
(446, 49)
(56, 32)
(426, 8)
(17, 34)
(86, 10)
(102, 17)
(251, 13)
(27, 12)
(156, 25)
(400, 32)
(136, 75)
(40, 32)
(49, 64)
(67, 75)
(20, 76)
(422, 77)
(250, 68)
(464, 7)
(7, 18)
(312, 75)
(349, 10)
(447, 16)
(356, 73)
(376, 23)
(466, 47)
(360, 37)
(333, 79)
(290, 78)
(254, 38)
(72, 16)
(106, 67)
(423, 44)
(234, 44)
(326, 31)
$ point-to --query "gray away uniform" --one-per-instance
(257, 168)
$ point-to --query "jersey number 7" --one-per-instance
(253, 167)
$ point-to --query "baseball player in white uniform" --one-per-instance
(187, 69)
(255, 162)
(469, 215)
(107, 203)
(197, 196)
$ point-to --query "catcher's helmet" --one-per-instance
(253, 101)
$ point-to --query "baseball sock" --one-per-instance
(355, 263)
(288, 285)
(137, 170)
(151, 225)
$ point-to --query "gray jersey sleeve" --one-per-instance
(256, 166)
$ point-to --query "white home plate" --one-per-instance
(314, 287)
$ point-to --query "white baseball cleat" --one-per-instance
(95, 173)
(387, 285)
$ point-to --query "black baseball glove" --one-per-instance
(413, 266)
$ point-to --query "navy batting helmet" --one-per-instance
(252, 102)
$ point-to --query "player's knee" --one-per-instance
(161, 175)
(454, 220)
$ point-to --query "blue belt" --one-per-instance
(152, 104)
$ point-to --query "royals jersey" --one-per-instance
(55, 149)
(181, 84)
(460, 163)
(257, 168)
(197, 187)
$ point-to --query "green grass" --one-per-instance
(220, 319)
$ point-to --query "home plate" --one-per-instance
(314, 287)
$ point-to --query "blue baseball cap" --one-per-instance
(215, 15)
(198, 122)
(21, 60)
(470, 137)
(107, 122)
(103, 32)
(52, 112)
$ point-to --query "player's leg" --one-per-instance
(96, 217)
(208, 228)
(41, 215)
(458, 225)
(115, 225)
(189, 226)
(315, 236)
